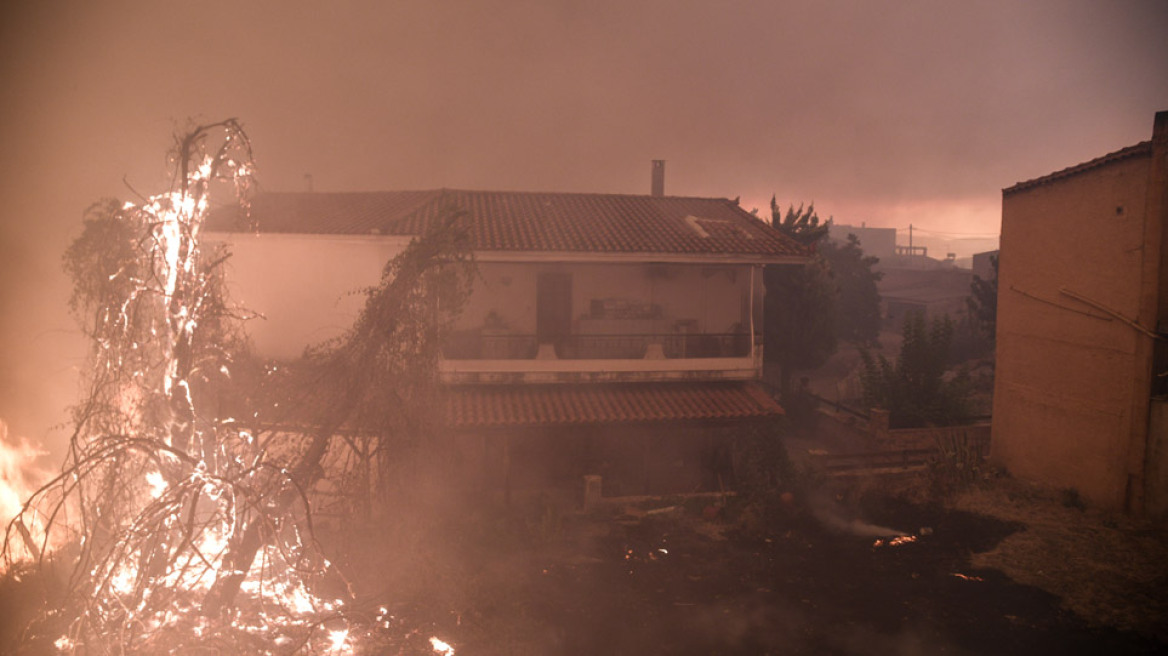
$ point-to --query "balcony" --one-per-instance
(478, 345)
(483, 356)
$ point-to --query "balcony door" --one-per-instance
(553, 307)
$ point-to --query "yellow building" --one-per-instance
(1082, 301)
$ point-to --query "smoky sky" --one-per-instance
(884, 113)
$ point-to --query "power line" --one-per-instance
(939, 233)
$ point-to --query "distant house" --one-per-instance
(983, 265)
(911, 282)
(1082, 309)
(611, 335)
(932, 292)
(877, 242)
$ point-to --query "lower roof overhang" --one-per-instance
(473, 407)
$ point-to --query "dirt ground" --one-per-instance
(1109, 569)
(1004, 570)
(864, 568)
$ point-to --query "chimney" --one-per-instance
(658, 186)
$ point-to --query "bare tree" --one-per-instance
(156, 480)
(175, 496)
(374, 389)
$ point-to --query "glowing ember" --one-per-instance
(967, 577)
(157, 483)
(895, 542)
(441, 647)
(337, 639)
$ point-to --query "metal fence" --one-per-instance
(477, 346)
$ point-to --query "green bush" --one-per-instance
(766, 479)
(915, 390)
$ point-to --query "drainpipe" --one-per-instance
(751, 303)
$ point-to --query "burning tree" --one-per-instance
(176, 518)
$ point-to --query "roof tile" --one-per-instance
(487, 406)
(524, 221)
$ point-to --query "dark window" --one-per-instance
(553, 307)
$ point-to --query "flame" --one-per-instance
(167, 542)
(895, 542)
(337, 639)
(441, 647)
(20, 476)
(156, 482)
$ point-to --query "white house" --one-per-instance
(599, 316)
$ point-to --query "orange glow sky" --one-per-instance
(884, 113)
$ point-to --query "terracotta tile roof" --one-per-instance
(501, 406)
(526, 221)
(1141, 149)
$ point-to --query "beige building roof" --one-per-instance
(1141, 149)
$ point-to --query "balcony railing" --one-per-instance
(474, 345)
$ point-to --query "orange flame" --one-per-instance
(20, 476)
(441, 647)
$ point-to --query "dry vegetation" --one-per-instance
(1109, 569)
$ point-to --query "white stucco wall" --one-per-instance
(306, 287)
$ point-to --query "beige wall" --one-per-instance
(308, 288)
(1069, 377)
(715, 297)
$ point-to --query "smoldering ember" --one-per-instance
(497, 422)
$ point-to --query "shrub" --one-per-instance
(915, 390)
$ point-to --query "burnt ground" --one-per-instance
(670, 576)
(678, 582)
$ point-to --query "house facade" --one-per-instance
(934, 293)
(877, 242)
(595, 321)
(1082, 310)
(983, 265)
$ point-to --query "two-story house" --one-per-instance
(612, 335)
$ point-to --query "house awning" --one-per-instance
(512, 406)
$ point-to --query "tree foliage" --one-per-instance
(857, 316)
(369, 396)
(983, 304)
(810, 309)
(155, 477)
(800, 224)
(182, 515)
(800, 305)
(914, 390)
